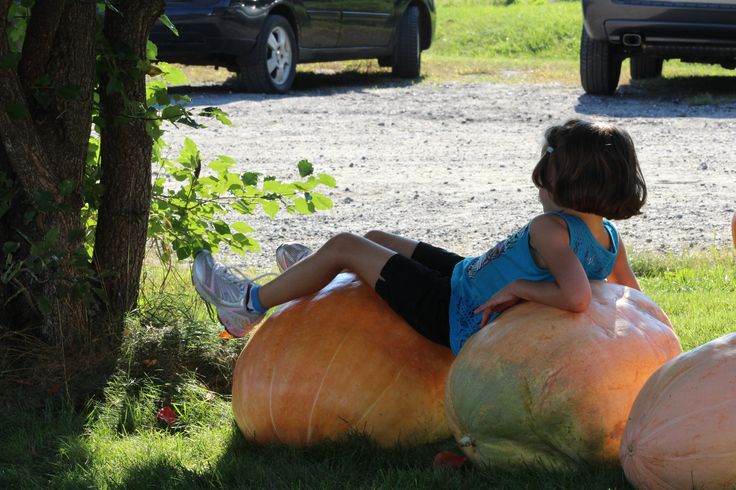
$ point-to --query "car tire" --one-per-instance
(407, 57)
(600, 66)
(642, 67)
(271, 68)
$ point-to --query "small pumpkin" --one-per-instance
(733, 229)
(544, 387)
(681, 432)
(340, 361)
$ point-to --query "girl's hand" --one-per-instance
(501, 301)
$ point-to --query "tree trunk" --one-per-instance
(45, 145)
(120, 240)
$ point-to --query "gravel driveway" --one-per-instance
(450, 163)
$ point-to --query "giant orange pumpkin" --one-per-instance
(733, 229)
(681, 432)
(547, 387)
(340, 361)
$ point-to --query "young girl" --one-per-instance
(587, 172)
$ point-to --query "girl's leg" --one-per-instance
(344, 251)
(433, 257)
(404, 246)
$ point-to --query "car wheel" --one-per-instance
(600, 66)
(645, 67)
(272, 66)
(407, 58)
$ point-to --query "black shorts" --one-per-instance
(418, 289)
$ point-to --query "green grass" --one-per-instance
(479, 29)
(116, 441)
(698, 292)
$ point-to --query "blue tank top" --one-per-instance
(476, 279)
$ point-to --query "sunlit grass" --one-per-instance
(697, 291)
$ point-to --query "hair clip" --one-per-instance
(549, 149)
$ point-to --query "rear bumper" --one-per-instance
(701, 24)
(216, 35)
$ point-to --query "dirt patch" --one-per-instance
(451, 163)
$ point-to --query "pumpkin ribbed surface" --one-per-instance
(338, 361)
(681, 431)
(543, 386)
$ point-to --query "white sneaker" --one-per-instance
(288, 254)
(220, 287)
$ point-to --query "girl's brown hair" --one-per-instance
(591, 168)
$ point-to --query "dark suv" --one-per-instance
(263, 40)
(651, 31)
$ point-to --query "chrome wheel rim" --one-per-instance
(278, 56)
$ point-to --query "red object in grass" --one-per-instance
(224, 335)
(450, 460)
(167, 414)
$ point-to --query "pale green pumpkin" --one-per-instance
(546, 387)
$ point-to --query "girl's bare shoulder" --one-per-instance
(547, 223)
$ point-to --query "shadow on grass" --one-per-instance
(353, 463)
(55, 449)
(698, 96)
(306, 84)
(31, 437)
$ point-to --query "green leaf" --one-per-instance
(271, 208)
(242, 227)
(173, 75)
(151, 51)
(9, 60)
(249, 178)
(327, 180)
(221, 227)
(321, 202)
(217, 113)
(162, 97)
(277, 187)
(10, 247)
(301, 206)
(52, 236)
(167, 22)
(173, 112)
(153, 128)
(151, 70)
(219, 166)
(305, 168)
(189, 149)
(17, 110)
(67, 187)
(44, 305)
(183, 253)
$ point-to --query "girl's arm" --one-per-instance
(622, 273)
(570, 289)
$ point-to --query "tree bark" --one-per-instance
(45, 148)
(126, 148)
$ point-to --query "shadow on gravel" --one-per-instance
(696, 96)
(306, 84)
